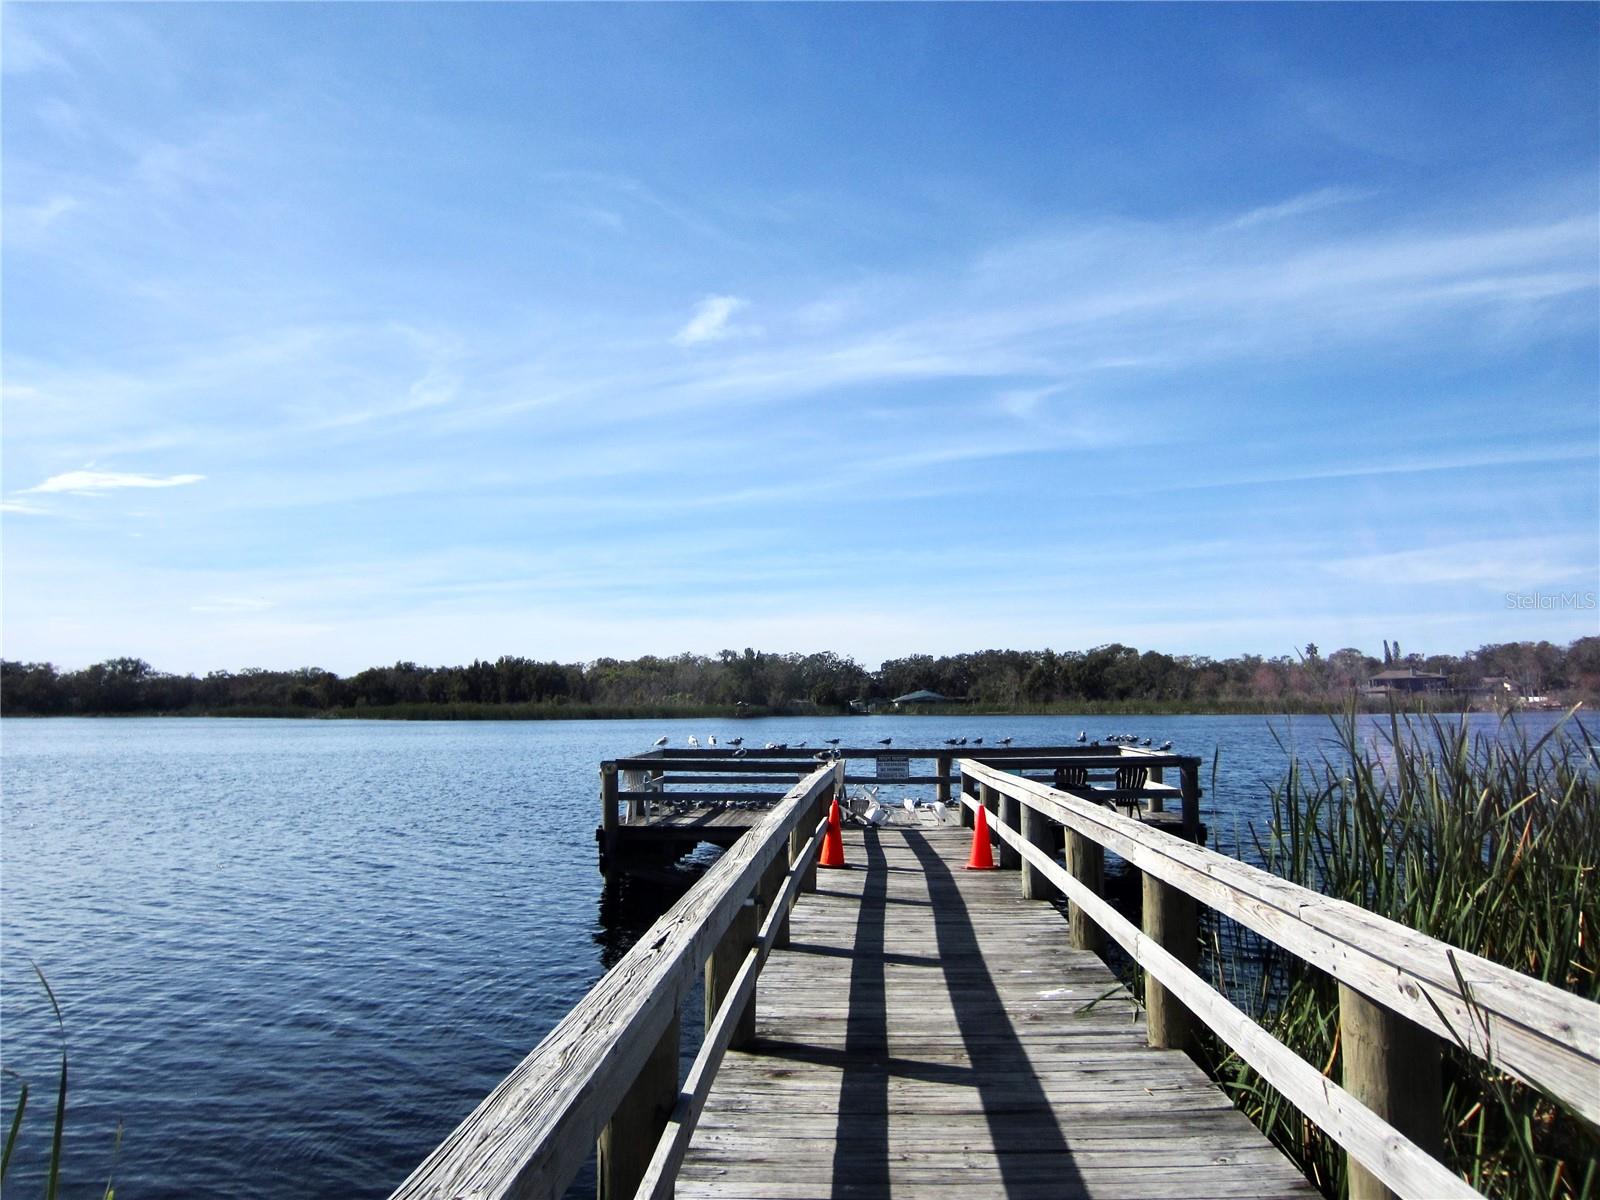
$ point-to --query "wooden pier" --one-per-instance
(914, 1028)
(659, 805)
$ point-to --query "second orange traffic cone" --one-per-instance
(833, 839)
(982, 856)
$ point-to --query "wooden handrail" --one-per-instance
(531, 1135)
(1543, 1035)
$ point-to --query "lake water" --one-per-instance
(291, 955)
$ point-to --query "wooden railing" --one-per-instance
(682, 775)
(607, 1075)
(1400, 991)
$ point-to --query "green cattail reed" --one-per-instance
(1490, 843)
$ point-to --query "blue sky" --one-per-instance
(341, 334)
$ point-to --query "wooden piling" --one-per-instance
(1086, 861)
(629, 1138)
(724, 964)
(1393, 1067)
(1009, 811)
(608, 817)
(1037, 830)
(1191, 802)
(1169, 921)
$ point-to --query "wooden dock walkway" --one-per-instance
(927, 1030)
(910, 1027)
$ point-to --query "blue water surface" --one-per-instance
(292, 955)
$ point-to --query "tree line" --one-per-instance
(1017, 680)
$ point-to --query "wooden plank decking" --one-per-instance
(928, 1032)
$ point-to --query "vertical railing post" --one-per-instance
(968, 788)
(771, 885)
(1190, 772)
(1086, 862)
(1009, 811)
(1170, 920)
(1158, 802)
(942, 787)
(724, 964)
(629, 1138)
(1037, 831)
(1393, 1067)
(608, 817)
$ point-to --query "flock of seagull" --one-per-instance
(739, 750)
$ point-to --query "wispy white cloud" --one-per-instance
(1495, 564)
(1297, 206)
(20, 509)
(91, 483)
(711, 319)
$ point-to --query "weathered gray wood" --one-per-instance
(1543, 1035)
(963, 1050)
(969, 790)
(1086, 861)
(722, 967)
(1169, 920)
(1378, 1145)
(608, 816)
(1010, 814)
(1191, 802)
(1037, 830)
(624, 1148)
(942, 777)
(722, 1027)
(1394, 1068)
(534, 1131)
(771, 882)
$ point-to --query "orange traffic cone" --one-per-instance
(833, 839)
(982, 856)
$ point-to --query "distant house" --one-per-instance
(1405, 681)
(920, 697)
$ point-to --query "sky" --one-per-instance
(339, 335)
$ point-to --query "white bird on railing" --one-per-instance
(1083, 735)
(711, 739)
(831, 741)
(694, 742)
(1005, 741)
(1165, 746)
(662, 740)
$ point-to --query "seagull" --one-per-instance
(694, 742)
(1165, 746)
(740, 752)
(662, 740)
(1005, 741)
(962, 742)
(910, 806)
(1146, 742)
(1082, 736)
(884, 741)
(940, 809)
(977, 741)
(738, 741)
(802, 745)
(832, 741)
(712, 740)
(949, 741)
